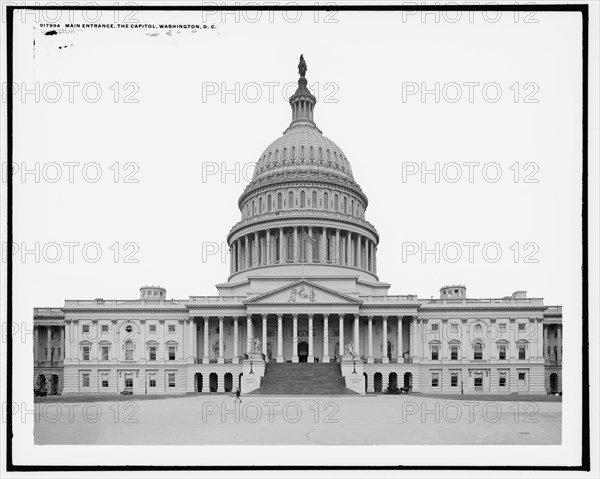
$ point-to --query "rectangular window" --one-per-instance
(435, 352)
(85, 380)
(152, 382)
(171, 353)
(85, 328)
(105, 328)
(171, 328)
(152, 353)
(502, 380)
(104, 353)
(521, 326)
(478, 352)
(171, 380)
(478, 382)
(502, 326)
(521, 379)
(129, 381)
(104, 380)
(153, 328)
(86, 353)
(454, 352)
(435, 380)
(435, 327)
(502, 352)
(521, 351)
(454, 380)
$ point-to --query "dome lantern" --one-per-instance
(302, 101)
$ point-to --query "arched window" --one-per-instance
(279, 201)
(260, 205)
(345, 204)
(313, 202)
(269, 203)
(336, 204)
(253, 212)
(351, 207)
(128, 351)
(478, 351)
(326, 201)
(290, 199)
(302, 199)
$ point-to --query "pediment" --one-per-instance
(303, 292)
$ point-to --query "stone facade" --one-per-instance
(303, 281)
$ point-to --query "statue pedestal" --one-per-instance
(352, 371)
(253, 371)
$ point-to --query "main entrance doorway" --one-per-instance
(303, 352)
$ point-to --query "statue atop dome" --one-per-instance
(302, 66)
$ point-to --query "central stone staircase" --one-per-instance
(297, 379)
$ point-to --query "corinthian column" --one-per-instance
(356, 334)
(280, 338)
(384, 355)
(221, 359)
(324, 246)
(264, 334)
(310, 245)
(295, 338)
(370, 340)
(295, 249)
(341, 342)
(236, 353)
(338, 256)
(311, 357)
(325, 338)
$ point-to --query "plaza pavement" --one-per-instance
(306, 420)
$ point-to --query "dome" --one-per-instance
(302, 147)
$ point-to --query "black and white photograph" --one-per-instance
(232, 233)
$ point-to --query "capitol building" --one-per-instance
(303, 310)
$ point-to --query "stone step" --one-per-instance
(303, 379)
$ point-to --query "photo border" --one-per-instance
(583, 9)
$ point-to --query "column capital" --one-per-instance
(235, 318)
(370, 318)
(385, 317)
(264, 316)
(341, 315)
(295, 316)
(310, 315)
(221, 318)
(357, 316)
(249, 317)
(326, 315)
(279, 315)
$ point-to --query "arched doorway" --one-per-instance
(407, 379)
(377, 382)
(393, 380)
(213, 381)
(366, 380)
(303, 351)
(198, 381)
(54, 384)
(240, 381)
(228, 382)
(553, 383)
